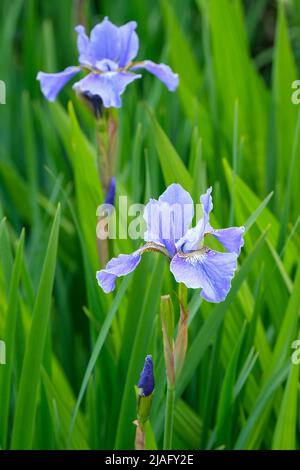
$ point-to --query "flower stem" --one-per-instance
(167, 320)
(169, 418)
(139, 443)
(106, 132)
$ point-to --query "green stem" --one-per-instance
(169, 419)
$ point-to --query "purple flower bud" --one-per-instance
(111, 192)
(146, 382)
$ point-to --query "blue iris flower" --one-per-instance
(107, 55)
(191, 262)
(146, 382)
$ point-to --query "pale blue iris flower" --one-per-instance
(191, 262)
(107, 55)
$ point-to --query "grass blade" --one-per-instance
(23, 426)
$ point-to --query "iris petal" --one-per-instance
(83, 46)
(192, 239)
(120, 266)
(163, 72)
(206, 269)
(105, 41)
(231, 238)
(169, 218)
(129, 43)
(123, 265)
(109, 86)
(52, 83)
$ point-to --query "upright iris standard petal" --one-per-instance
(163, 72)
(105, 41)
(129, 43)
(83, 46)
(109, 86)
(193, 238)
(146, 382)
(206, 269)
(231, 238)
(120, 266)
(207, 204)
(169, 218)
(52, 83)
(160, 222)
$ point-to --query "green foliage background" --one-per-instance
(232, 125)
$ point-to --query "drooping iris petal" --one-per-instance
(116, 267)
(105, 41)
(169, 218)
(124, 264)
(192, 239)
(146, 382)
(231, 238)
(83, 46)
(163, 72)
(109, 86)
(129, 43)
(206, 269)
(52, 83)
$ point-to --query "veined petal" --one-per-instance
(129, 43)
(109, 86)
(163, 72)
(206, 269)
(52, 83)
(231, 238)
(192, 239)
(120, 266)
(83, 46)
(159, 217)
(207, 204)
(105, 41)
(169, 218)
(123, 265)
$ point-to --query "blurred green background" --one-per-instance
(232, 125)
